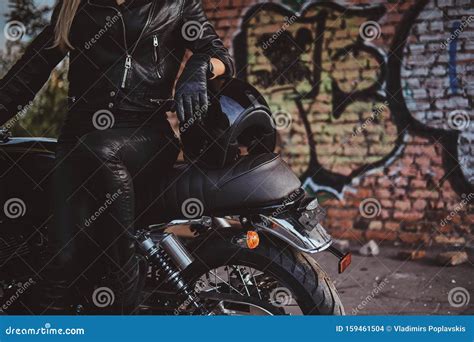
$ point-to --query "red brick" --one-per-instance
(386, 203)
(424, 194)
(391, 225)
(419, 205)
(383, 193)
(412, 238)
(338, 213)
(380, 235)
(404, 205)
(350, 234)
(418, 184)
(408, 216)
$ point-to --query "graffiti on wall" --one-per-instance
(351, 104)
(430, 61)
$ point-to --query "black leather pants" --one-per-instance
(97, 179)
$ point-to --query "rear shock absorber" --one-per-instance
(172, 257)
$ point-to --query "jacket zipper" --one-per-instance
(129, 58)
(155, 54)
(128, 66)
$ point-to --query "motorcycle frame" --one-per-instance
(283, 226)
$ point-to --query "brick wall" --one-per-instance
(380, 119)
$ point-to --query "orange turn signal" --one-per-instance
(253, 240)
(344, 262)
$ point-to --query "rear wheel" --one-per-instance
(269, 280)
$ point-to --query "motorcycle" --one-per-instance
(247, 251)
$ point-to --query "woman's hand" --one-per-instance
(191, 89)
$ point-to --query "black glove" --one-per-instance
(191, 89)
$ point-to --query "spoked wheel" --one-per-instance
(243, 290)
(269, 280)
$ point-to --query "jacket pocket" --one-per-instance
(156, 56)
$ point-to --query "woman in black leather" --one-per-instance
(124, 59)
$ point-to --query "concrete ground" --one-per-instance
(388, 285)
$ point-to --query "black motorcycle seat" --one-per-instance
(253, 181)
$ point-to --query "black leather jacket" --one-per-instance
(106, 71)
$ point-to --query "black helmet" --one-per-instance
(238, 117)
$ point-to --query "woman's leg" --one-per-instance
(67, 235)
(117, 157)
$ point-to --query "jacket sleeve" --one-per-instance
(200, 36)
(30, 72)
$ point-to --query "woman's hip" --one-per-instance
(134, 143)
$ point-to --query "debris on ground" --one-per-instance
(370, 249)
(403, 287)
(412, 254)
(452, 258)
(342, 245)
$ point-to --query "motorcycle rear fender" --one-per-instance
(302, 234)
(292, 232)
(297, 226)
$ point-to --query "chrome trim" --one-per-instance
(22, 140)
(305, 240)
(205, 221)
(220, 222)
(176, 251)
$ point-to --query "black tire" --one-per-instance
(311, 286)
